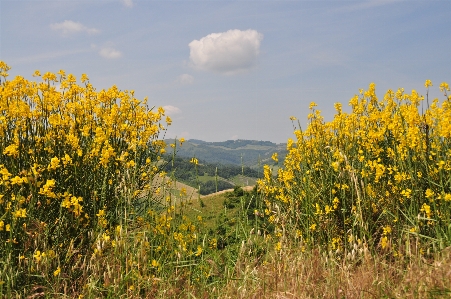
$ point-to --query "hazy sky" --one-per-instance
(233, 69)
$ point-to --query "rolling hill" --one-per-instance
(250, 153)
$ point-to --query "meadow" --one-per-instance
(360, 207)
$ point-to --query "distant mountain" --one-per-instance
(250, 153)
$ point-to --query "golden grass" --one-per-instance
(313, 275)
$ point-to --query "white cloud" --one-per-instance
(228, 52)
(128, 3)
(171, 110)
(185, 79)
(70, 27)
(110, 53)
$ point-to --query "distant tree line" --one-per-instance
(184, 170)
(234, 144)
(209, 187)
(251, 153)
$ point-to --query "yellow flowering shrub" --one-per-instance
(71, 157)
(369, 175)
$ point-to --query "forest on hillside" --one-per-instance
(250, 153)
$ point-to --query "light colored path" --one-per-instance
(245, 188)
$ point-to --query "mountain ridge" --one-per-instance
(252, 153)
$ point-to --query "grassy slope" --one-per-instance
(292, 273)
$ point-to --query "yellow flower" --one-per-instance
(54, 163)
(429, 193)
(444, 87)
(199, 250)
(194, 161)
(335, 165)
(425, 208)
(427, 83)
(213, 243)
(105, 237)
(155, 263)
(37, 256)
(20, 213)
(386, 230)
(312, 105)
(84, 78)
(118, 229)
(338, 107)
(57, 271)
(406, 193)
(66, 160)
(11, 150)
(16, 180)
(384, 242)
(101, 213)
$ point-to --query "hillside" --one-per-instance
(210, 177)
(250, 153)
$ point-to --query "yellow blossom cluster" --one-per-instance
(372, 173)
(66, 150)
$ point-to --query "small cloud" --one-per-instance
(128, 3)
(230, 52)
(70, 27)
(110, 53)
(171, 110)
(185, 79)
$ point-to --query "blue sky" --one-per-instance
(234, 69)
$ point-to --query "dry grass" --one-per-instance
(301, 275)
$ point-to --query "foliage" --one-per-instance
(76, 164)
(377, 177)
(88, 209)
(209, 187)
